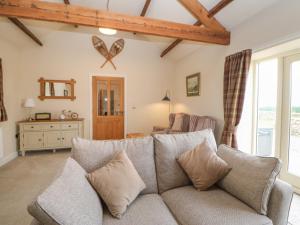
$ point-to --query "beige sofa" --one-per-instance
(168, 199)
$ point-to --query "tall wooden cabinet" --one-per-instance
(50, 134)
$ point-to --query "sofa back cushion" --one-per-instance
(201, 122)
(70, 199)
(92, 155)
(168, 147)
(251, 178)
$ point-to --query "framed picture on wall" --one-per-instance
(193, 85)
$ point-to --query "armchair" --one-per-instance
(189, 122)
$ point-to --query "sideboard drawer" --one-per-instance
(69, 126)
(32, 127)
(51, 126)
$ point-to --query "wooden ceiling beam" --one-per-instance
(145, 8)
(20, 25)
(217, 8)
(67, 2)
(200, 13)
(70, 14)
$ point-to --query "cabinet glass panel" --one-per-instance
(115, 97)
(102, 98)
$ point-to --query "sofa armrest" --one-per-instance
(280, 202)
(159, 128)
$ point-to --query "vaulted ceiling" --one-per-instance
(171, 10)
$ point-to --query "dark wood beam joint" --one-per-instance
(217, 8)
(146, 6)
(21, 26)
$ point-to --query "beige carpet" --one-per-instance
(25, 177)
(22, 179)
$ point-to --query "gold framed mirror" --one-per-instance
(57, 89)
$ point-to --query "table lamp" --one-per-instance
(29, 104)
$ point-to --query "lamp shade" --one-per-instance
(166, 99)
(29, 103)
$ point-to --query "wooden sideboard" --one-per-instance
(48, 134)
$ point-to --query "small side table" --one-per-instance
(135, 135)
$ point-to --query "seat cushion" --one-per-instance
(145, 210)
(212, 207)
(168, 147)
(92, 155)
(251, 178)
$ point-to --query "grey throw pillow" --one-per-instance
(251, 178)
(70, 199)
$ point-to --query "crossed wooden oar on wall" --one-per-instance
(115, 49)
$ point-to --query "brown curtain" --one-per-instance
(3, 114)
(235, 76)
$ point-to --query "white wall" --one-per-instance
(209, 63)
(10, 65)
(279, 23)
(71, 55)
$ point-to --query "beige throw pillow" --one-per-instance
(178, 122)
(118, 183)
(203, 166)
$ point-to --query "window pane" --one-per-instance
(266, 107)
(294, 148)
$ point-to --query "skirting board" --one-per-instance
(8, 158)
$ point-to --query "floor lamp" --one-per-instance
(167, 99)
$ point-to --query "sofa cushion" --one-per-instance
(251, 178)
(203, 166)
(212, 207)
(145, 210)
(92, 155)
(118, 183)
(70, 199)
(168, 147)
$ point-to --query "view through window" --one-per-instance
(294, 140)
(267, 77)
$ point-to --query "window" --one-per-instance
(266, 105)
(257, 130)
(270, 123)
